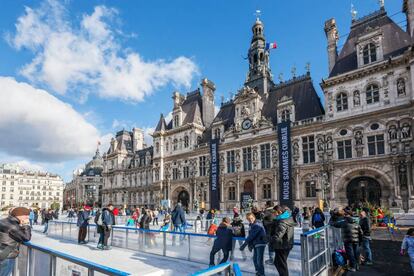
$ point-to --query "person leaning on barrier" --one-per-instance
(256, 241)
(267, 223)
(14, 230)
(238, 232)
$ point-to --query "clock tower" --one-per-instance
(259, 76)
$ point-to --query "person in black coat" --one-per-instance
(351, 234)
(14, 230)
(82, 223)
(223, 241)
(238, 232)
(365, 224)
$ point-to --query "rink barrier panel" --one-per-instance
(143, 238)
(317, 248)
(30, 262)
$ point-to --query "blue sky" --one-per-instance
(107, 65)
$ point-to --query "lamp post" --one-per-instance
(325, 152)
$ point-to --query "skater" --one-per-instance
(256, 241)
(223, 241)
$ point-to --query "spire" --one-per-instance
(353, 13)
(161, 124)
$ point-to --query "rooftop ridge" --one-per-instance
(368, 17)
(195, 92)
(293, 81)
(229, 102)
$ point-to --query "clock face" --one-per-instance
(246, 124)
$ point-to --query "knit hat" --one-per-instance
(20, 211)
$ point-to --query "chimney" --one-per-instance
(208, 101)
(408, 9)
(137, 139)
(332, 36)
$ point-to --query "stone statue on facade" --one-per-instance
(320, 144)
(357, 99)
(392, 131)
(406, 131)
(402, 169)
(245, 110)
(358, 137)
(296, 148)
(329, 143)
(401, 87)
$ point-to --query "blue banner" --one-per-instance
(285, 165)
(214, 175)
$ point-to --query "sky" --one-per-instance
(74, 72)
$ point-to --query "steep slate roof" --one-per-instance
(161, 124)
(395, 41)
(300, 89)
(191, 108)
(303, 94)
(225, 114)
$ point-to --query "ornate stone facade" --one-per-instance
(357, 148)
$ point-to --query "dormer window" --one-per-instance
(285, 115)
(372, 94)
(217, 133)
(176, 121)
(341, 102)
(369, 53)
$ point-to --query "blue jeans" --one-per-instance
(367, 249)
(352, 252)
(179, 228)
(258, 253)
(270, 251)
(6, 267)
(46, 227)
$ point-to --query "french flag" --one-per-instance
(272, 45)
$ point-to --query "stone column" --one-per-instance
(276, 187)
(238, 189)
(255, 186)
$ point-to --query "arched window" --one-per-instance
(176, 121)
(186, 141)
(167, 147)
(369, 53)
(285, 115)
(255, 58)
(372, 94)
(175, 144)
(341, 102)
(198, 140)
(157, 147)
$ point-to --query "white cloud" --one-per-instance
(38, 126)
(29, 166)
(89, 56)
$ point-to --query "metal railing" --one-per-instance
(317, 248)
(172, 244)
(36, 260)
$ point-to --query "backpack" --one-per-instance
(317, 218)
(339, 258)
(98, 218)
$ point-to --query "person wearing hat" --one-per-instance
(82, 223)
(14, 230)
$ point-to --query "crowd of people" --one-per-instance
(270, 226)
